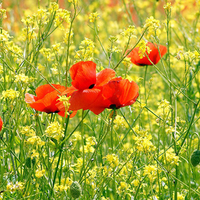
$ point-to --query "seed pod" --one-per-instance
(75, 190)
(195, 158)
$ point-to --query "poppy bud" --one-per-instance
(195, 158)
(75, 190)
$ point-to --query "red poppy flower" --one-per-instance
(1, 123)
(86, 85)
(154, 55)
(45, 99)
(115, 94)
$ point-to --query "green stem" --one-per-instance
(68, 44)
(83, 144)
(188, 130)
(145, 77)
(60, 154)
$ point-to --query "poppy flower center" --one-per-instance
(113, 106)
(91, 86)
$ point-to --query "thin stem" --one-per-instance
(60, 154)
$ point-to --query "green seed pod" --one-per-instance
(195, 158)
(75, 190)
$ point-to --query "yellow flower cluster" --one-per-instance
(129, 32)
(54, 130)
(42, 16)
(27, 130)
(153, 26)
(164, 108)
(143, 48)
(64, 186)
(13, 187)
(40, 173)
(35, 140)
(90, 142)
(4, 36)
(167, 7)
(113, 160)
(150, 171)
(3, 14)
(28, 34)
(61, 16)
(123, 187)
(10, 94)
(87, 50)
(65, 101)
(93, 17)
(143, 141)
(23, 78)
(119, 121)
(169, 157)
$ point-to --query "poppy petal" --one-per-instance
(83, 99)
(121, 93)
(154, 55)
(104, 76)
(83, 74)
(42, 90)
(29, 98)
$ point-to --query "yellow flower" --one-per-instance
(10, 94)
(93, 17)
(39, 173)
(54, 130)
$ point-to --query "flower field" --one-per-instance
(100, 100)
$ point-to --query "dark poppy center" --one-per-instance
(91, 86)
(113, 106)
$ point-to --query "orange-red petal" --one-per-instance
(1, 123)
(42, 90)
(104, 76)
(83, 99)
(46, 98)
(83, 74)
(154, 55)
(117, 93)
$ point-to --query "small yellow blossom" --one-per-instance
(167, 7)
(150, 171)
(3, 13)
(23, 78)
(135, 182)
(27, 130)
(40, 173)
(119, 121)
(35, 140)
(169, 157)
(10, 94)
(113, 160)
(143, 48)
(93, 17)
(54, 130)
